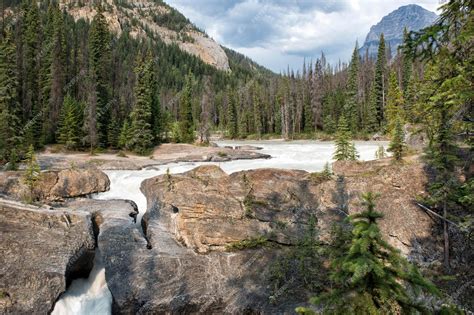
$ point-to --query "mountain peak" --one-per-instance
(411, 16)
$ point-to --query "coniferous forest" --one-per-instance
(76, 85)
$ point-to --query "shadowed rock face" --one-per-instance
(41, 250)
(56, 185)
(182, 266)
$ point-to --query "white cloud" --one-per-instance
(282, 32)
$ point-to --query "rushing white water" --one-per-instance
(86, 296)
(92, 296)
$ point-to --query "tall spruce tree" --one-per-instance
(407, 66)
(397, 143)
(10, 137)
(395, 104)
(141, 131)
(30, 74)
(232, 119)
(345, 149)
(351, 108)
(372, 277)
(99, 63)
(186, 122)
(380, 81)
(69, 132)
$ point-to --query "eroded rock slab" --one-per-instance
(40, 250)
(56, 185)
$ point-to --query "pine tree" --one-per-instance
(380, 86)
(372, 277)
(345, 150)
(232, 119)
(397, 143)
(32, 172)
(10, 137)
(99, 57)
(351, 107)
(69, 132)
(30, 74)
(141, 132)
(407, 65)
(395, 104)
(257, 116)
(125, 135)
(186, 123)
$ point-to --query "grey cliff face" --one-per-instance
(413, 17)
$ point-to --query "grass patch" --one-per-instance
(222, 154)
(122, 154)
(255, 242)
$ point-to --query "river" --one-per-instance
(91, 296)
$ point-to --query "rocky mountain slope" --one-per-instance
(413, 17)
(154, 19)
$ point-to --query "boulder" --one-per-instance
(42, 251)
(56, 185)
(206, 209)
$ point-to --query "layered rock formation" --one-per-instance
(41, 249)
(56, 185)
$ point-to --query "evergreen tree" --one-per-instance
(257, 116)
(232, 119)
(125, 135)
(186, 123)
(397, 143)
(32, 172)
(69, 132)
(10, 137)
(372, 277)
(395, 107)
(99, 57)
(407, 65)
(345, 150)
(351, 108)
(141, 132)
(30, 74)
(380, 86)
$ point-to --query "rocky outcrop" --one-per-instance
(56, 185)
(182, 262)
(42, 250)
(143, 16)
(206, 209)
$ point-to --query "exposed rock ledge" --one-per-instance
(40, 249)
(56, 185)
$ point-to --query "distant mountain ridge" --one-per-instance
(412, 16)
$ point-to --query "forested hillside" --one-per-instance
(69, 81)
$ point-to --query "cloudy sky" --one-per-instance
(277, 33)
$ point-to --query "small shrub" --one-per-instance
(255, 242)
(222, 154)
(122, 154)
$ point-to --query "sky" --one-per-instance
(281, 33)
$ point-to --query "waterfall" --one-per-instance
(86, 296)
(92, 296)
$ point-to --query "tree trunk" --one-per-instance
(446, 236)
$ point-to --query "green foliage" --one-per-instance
(351, 108)
(32, 173)
(380, 81)
(141, 130)
(10, 137)
(250, 243)
(186, 124)
(320, 177)
(372, 277)
(345, 150)
(395, 107)
(232, 125)
(397, 143)
(70, 123)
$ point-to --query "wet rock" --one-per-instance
(42, 251)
